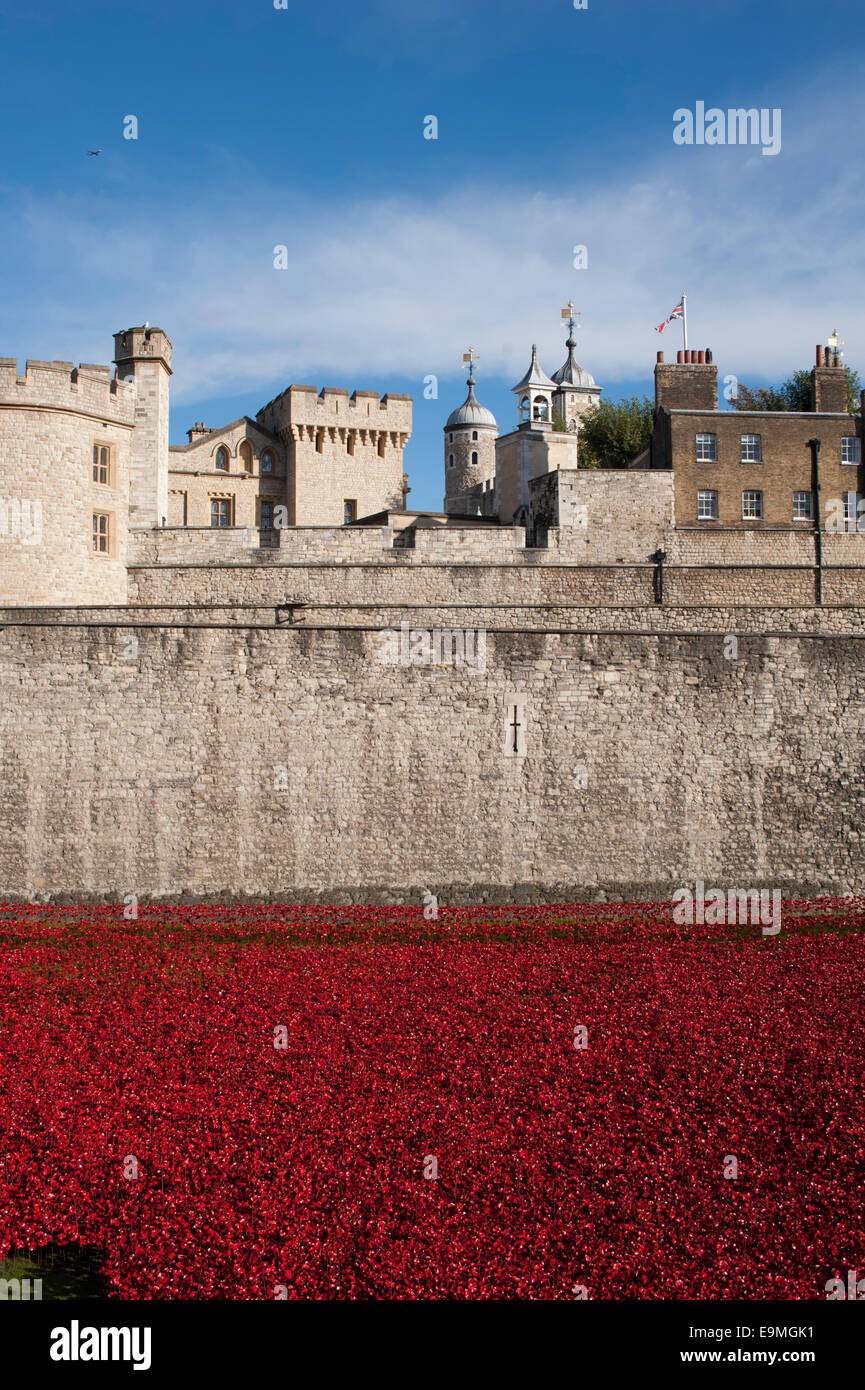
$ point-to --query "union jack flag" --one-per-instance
(677, 313)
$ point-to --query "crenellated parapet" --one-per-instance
(88, 390)
(335, 408)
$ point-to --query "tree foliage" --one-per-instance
(612, 433)
(793, 394)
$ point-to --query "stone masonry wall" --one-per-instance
(50, 419)
(281, 763)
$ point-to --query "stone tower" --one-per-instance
(470, 455)
(576, 389)
(143, 355)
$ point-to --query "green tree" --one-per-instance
(614, 432)
(794, 393)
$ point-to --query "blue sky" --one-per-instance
(303, 127)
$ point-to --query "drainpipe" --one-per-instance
(814, 445)
(658, 577)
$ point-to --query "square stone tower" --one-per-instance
(143, 355)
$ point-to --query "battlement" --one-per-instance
(89, 389)
(333, 405)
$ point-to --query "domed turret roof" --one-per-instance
(572, 374)
(471, 412)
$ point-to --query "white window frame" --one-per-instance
(710, 441)
(852, 440)
(757, 496)
(748, 442)
(808, 501)
(712, 496)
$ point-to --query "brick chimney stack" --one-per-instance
(828, 383)
(689, 383)
(198, 429)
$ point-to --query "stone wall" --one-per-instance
(407, 578)
(314, 544)
(50, 420)
(282, 763)
(602, 516)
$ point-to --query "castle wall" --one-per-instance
(288, 763)
(311, 544)
(734, 619)
(602, 515)
(50, 419)
(527, 579)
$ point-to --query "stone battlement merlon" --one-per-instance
(333, 404)
(89, 389)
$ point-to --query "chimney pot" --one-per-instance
(819, 354)
(660, 357)
(680, 356)
(708, 354)
(701, 357)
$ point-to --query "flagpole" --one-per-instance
(685, 318)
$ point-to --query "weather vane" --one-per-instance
(568, 314)
(833, 343)
(471, 359)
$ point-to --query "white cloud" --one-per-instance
(769, 251)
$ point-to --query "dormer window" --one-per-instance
(221, 460)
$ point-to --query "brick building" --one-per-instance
(757, 470)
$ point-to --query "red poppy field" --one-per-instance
(535, 1103)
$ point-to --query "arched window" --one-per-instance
(245, 452)
(524, 408)
(222, 459)
(474, 459)
(267, 462)
(541, 410)
(450, 460)
(474, 434)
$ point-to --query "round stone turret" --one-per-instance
(470, 456)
